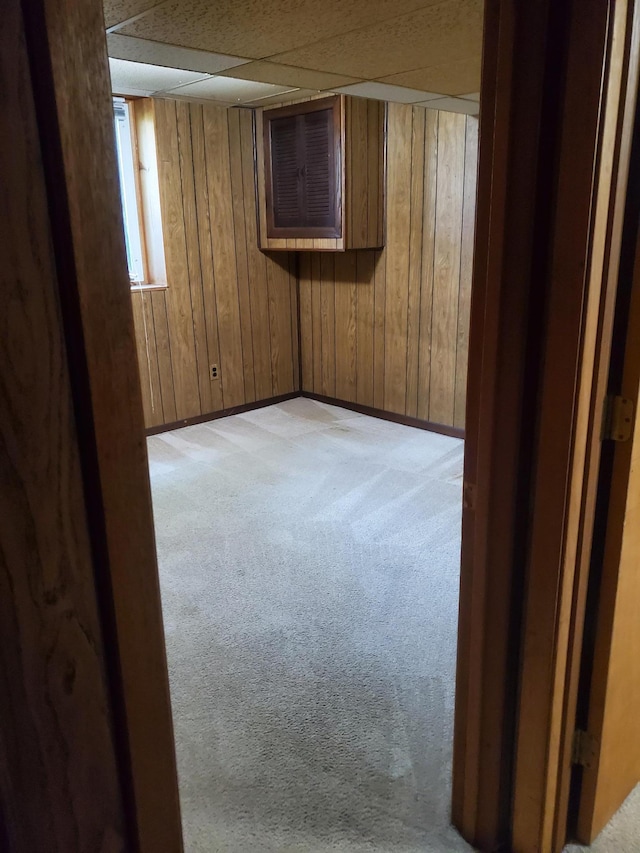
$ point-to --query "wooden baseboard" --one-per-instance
(443, 429)
(222, 413)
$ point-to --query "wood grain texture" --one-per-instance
(59, 785)
(583, 210)
(178, 296)
(615, 692)
(466, 269)
(402, 313)
(71, 77)
(446, 276)
(226, 302)
(362, 147)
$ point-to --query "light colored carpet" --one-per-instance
(309, 569)
(309, 561)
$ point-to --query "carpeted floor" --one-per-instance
(309, 561)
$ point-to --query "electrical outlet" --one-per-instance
(214, 372)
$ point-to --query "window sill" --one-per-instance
(142, 288)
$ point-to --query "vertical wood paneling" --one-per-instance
(383, 328)
(345, 326)
(223, 240)
(257, 266)
(306, 321)
(163, 356)
(380, 296)
(178, 295)
(466, 264)
(375, 212)
(415, 261)
(226, 303)
(149, 330)
(294, 316)
(397, 258)
(193, 254)
(282, 373)
(316, 306)
(357, 175)
(146, 345)
(328, 324)
(446, 280)
(410, 305)
(242, 267)
(365, 289)
(428, 236)
(206, 255)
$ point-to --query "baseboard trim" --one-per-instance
(443, 429)
(222, 413)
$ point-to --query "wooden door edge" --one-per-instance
(589, 822)
(551, 649)
(73, 101)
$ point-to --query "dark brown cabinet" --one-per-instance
(303, 167)
(321, 175)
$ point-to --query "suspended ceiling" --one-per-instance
(253, 52)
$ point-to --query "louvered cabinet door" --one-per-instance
(319, 179)
(303, 170)
(320, 172)
(288, 200)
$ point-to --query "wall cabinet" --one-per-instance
(320, 171)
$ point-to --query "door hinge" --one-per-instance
(584, 749)
(618, 418)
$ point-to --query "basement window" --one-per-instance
(129, 189)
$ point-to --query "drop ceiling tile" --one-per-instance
(283, 98)
(116, 11)
(229, 90)
(288, 75)
(452, 105)
(441, 33)
(151, 78)
(384, 92)
(131, 91)
(206, 102)
(450, 78)
(258, 29)
(474, 96)
(156, 53)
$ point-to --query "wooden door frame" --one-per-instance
(609, 538)
(528, 120)
(570, 433)
(552, 173)
(72, 93)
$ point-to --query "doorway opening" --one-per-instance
(306, 405)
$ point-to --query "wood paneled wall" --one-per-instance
(389, 329)
(226, 302)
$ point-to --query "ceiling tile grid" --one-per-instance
(258, 29)
(148, 78)
(263, 51)
(289, 75)
(230, 90)
(156, 53)
(452, 105)
(384, 92)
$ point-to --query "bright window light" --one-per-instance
(128, 190)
